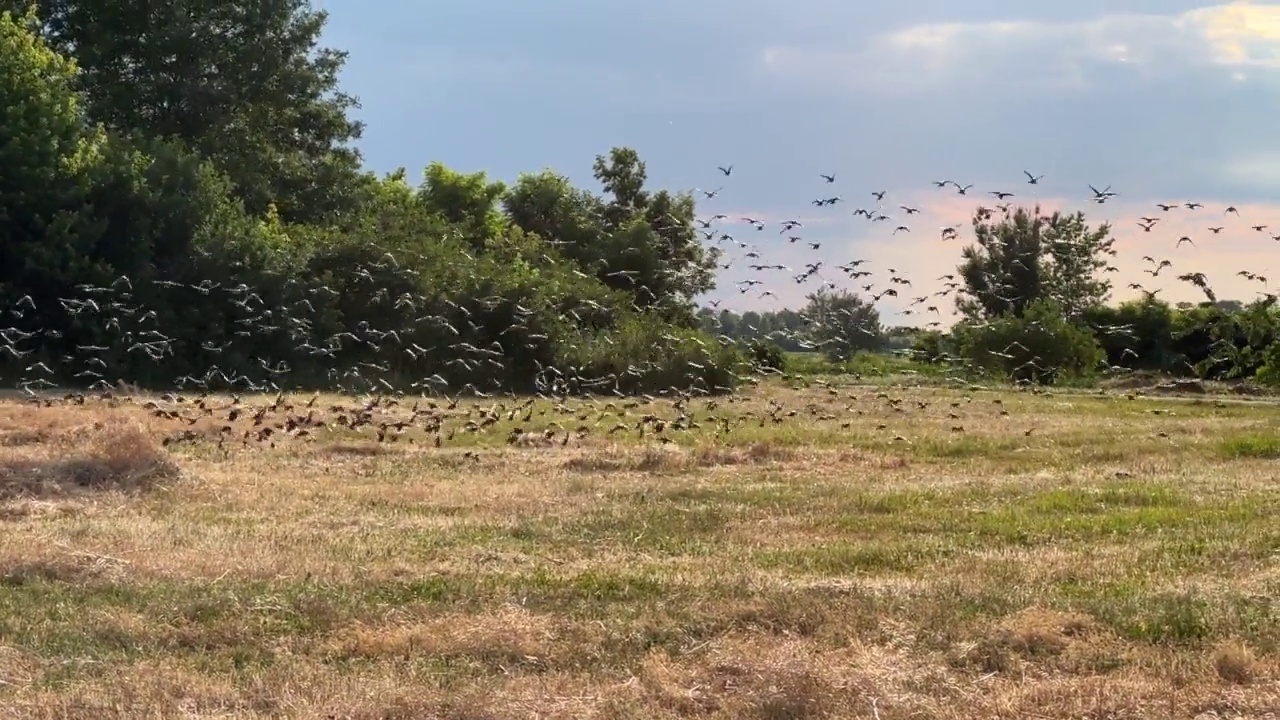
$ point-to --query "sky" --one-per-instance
(1165, 101)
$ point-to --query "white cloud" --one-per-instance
(1238, 38)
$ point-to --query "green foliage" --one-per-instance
(767, 356)
(1217, 343)
(44, 149)
(1269, 372)
(636, 241)
(188, 166)
(674, 357)
(931, 347)
(1137, 334)
(842, 324)
(242, 83)
(881, 364)
(466, 201)
(224, 222)
(785, 328)
(1040, 346)
(811, 363)
(1026, 256)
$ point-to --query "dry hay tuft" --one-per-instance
(112, 454)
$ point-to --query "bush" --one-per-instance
(767, 356)
(646, 355)
(930, 347)
(1040, 346)
(1137, 334)
(1269, 373)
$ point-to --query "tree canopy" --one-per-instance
(1023, 256)
(244, 84)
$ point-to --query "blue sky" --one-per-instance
(1164, 100)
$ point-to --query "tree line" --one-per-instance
(1035, 305)
(182, 200)
(1036, 308)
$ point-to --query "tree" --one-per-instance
(842, 323)
(85, 208)
(1269, 372)
(242, 82)
(1027, 256)
(465, 200)
(684, 268)
(1219, 345)
(44, 152)
(639, 242)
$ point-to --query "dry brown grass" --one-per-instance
(839, 552)
(48, 452)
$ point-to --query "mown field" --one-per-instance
(860, 551)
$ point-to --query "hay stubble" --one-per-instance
(1061, 556)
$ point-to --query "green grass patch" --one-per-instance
(1251, 446)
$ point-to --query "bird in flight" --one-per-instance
(1100, 196)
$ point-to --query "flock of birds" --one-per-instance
(744, 253)
(591, 406)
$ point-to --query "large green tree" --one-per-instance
(87, 212)
(243, 82)
(842, 323)
(1024, 255)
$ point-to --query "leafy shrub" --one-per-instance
(767, 355)
(931, 347)
(645, 355)
(1269, 373)
(1040, 346)
(1137, 334)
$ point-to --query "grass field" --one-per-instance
(836, 551)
